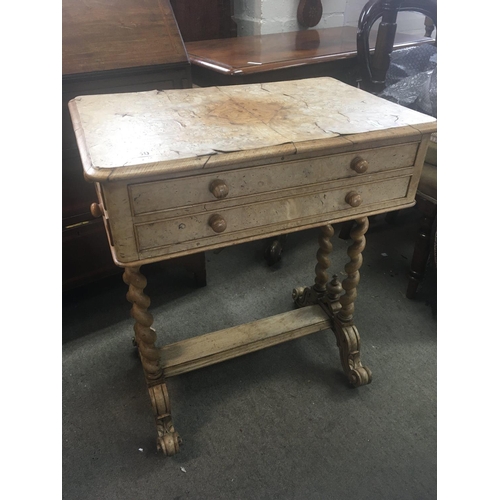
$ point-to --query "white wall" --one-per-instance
(248, 16)
(260, 17)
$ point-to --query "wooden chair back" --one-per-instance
(373, 68)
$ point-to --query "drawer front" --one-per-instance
(181, 233)
(238, 184)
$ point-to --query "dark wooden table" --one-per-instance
(281, 56)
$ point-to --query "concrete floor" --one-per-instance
(281, 423)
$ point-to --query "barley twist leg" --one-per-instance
(145, 338)
(322, 256)
(306, 296)
(348, 340)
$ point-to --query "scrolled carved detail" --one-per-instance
(168, 439)
(349, 344)
(145, 338)
(340, 307)
(304, 296)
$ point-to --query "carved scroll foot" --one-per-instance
(168, 440)
(145, 339)
(348, 342)
(347, 335)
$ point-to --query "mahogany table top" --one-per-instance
(256, 54)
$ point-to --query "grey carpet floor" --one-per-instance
(281, 423)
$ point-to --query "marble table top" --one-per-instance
(139, 128)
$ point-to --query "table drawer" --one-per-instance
(179, 233)
(237, 184)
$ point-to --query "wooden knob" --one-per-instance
(359, 165)
(219, 189)
(96, 210)
(353, 198)
(217, 223)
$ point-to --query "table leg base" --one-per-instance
(168, 440)
(346, 333)
(348, 342)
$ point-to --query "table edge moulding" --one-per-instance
(178, 172)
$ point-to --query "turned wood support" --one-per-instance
(348, 340)
(322, 290)
(352, 269)
(322, 256)
(145, 338)
(334, 290)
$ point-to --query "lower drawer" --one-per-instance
(200, 230)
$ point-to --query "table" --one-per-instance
(183, 171)
(282, 56)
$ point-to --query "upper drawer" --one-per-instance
(184, 192)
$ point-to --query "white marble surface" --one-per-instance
(147, 127)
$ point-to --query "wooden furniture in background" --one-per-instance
(426, 198)
(309, 13)
(281, 56)
(109, 46)
(373, 71)
(204, 19)
(373, 65)
(429, 26)
(181, 171)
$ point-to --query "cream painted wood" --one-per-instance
(190, 247)
(272, 195)
(182, 171)
(214, 347)
(313, 208)
(159, 128)
(119, 198)
(188, 191)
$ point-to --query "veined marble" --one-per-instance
(161, 126)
